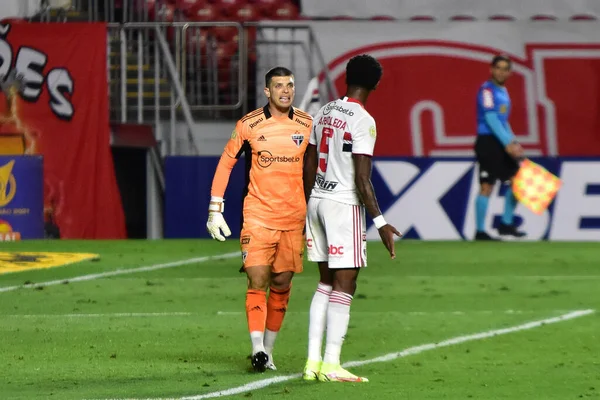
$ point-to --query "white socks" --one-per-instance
(338, 316)
(257, 341)
(269, 341)
(318, 317)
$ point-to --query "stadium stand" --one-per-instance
(212, 57)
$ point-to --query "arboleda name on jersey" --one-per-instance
(433, 199)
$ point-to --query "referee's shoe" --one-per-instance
(510, 230)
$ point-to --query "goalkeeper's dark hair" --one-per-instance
(277, 71)
(363, 71)
(500, 58)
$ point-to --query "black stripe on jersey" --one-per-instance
(302, 115)
(245, 149)
(268, 113)
(253, 114)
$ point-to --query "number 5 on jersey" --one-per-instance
(324, 148)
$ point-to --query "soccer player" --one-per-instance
(338, 172)
(496, 149)
(274, 139)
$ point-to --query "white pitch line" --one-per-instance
(425, 313)
(107, 274)
(387, 357)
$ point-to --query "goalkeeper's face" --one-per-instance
(281, 92)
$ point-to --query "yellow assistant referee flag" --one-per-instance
(535, 186)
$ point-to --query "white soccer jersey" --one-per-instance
(341, 128)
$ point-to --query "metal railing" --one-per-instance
(152, 79)
(177, 74)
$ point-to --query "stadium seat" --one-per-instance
(247, 13)
(543, 17)
(224, 52)
(382, 18)
(462, 18)
(162, 12)
(207, 12)
(225, 33)
(196, 40)
(583, 17)
(501, 18)
(422, 18)
(188, 6)
(267, 7)
(228, 8)
(286, 11)
(342, 18)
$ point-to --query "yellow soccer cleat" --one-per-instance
(335, 373)
(311, 370)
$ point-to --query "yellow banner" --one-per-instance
(22, 261)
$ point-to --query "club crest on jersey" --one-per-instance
(298, 138)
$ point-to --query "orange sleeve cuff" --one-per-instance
(221, 178)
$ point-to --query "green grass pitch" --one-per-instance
(181, 331)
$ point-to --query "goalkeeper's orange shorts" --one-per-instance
(282, 250)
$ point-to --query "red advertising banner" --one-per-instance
(54, 102)
(426, 101)
(425, 104)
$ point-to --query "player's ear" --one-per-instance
(267, 92)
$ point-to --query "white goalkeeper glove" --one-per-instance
(216, 223)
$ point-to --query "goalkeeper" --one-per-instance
(496, 150)
(273, 140)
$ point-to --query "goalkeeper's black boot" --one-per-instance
(259, 361)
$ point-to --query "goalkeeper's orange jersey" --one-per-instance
(274, 148)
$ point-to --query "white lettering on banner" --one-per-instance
(572, 203)
(419, 207)
(29, 64)
(536, 226)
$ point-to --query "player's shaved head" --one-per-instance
(277, 71)
(363, 71)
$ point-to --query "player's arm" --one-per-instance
(490, 113)
(362, 150)
(310, 169)
(216, 223)
(502, 133)
(362, 179)
(311, 162)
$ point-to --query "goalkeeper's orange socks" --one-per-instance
(276, 309)
(256, 313)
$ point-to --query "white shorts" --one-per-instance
(336, 232)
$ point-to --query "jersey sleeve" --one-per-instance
(237, 139)
(487, 100)
(232, 152)
(363, 137)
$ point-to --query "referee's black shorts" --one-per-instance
(494, 162)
